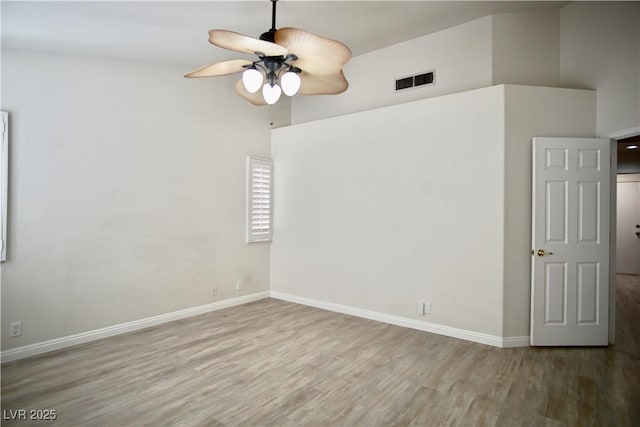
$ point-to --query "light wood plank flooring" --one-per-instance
(273, 363)
(628, 314)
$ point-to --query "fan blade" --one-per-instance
(220, 68)
(316, 54)
(254, 98)
(241, 43)
(318, 84)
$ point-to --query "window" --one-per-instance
(259, 192)
(4, 180)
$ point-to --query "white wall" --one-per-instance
(600, 49)
(518, 47)
(584, 45)
(526, 47)
(126, 193)
(427, 200)
(381, 208)
(532, 111)
(461, 56)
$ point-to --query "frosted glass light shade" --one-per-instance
(290, 82)
(252, 80)
(271, 93)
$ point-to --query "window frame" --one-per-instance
(4, 183)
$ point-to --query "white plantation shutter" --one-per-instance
(259, 189)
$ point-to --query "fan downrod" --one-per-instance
(269, 36)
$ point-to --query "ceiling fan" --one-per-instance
(290, 60)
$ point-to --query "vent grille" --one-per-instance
(405, 83)
(422, 79)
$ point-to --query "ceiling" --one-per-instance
(628, 160)
(176, 32)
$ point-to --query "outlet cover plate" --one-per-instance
(16, 329)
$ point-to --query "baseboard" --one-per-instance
(96, 334)
(435, 328)
(509, 342)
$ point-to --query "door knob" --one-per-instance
(541, 252)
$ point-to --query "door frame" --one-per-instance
(614, 136)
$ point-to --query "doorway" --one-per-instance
(626, 269)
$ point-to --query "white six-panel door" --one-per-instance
(570, 240)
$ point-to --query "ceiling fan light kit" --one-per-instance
(252, 79)
(276, 69)
(290, 82)
(290, 60)
(271, 93)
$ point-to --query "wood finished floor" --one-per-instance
(273, 363)
(628, 314)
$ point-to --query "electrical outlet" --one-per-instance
(423, 307)
(239, 285)
(16, 329)
(214, 291)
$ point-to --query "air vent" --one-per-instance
(405, 83)
(423, 79)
